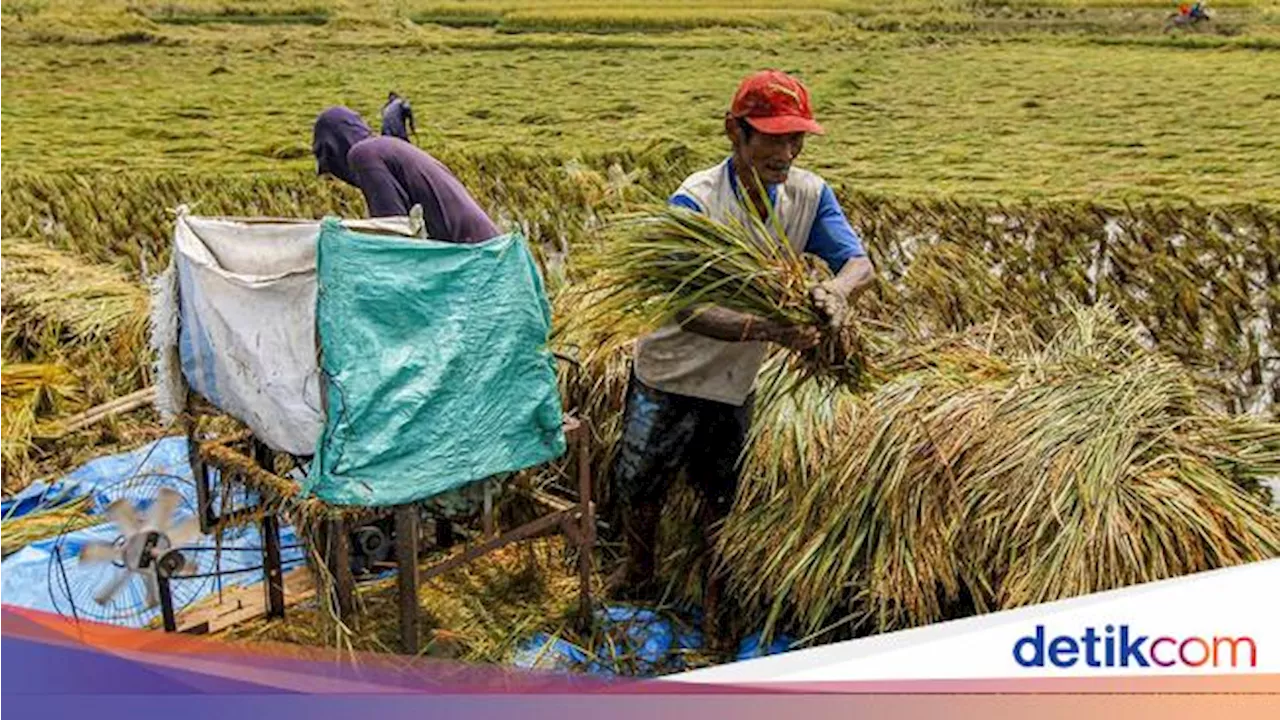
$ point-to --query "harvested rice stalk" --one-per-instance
(87, 317)
(17, 533)
(54, 299)
(30, 392)
(1088, 464)
(653, 266)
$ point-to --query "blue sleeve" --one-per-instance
(832, 238)
(684, 201)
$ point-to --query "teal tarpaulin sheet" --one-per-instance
(435, 366)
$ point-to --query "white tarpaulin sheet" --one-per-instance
(234, 320)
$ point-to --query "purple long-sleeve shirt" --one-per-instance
(395, 175)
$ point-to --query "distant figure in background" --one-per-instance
(397, 118)
(394, 176)
(1188, 16)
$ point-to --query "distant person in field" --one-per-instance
(692, 382)
(1187, 16)
(397, 118)
(394, 176)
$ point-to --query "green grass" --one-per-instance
(1080, 99)
(992, 118)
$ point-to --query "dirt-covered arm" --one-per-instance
(722, 323)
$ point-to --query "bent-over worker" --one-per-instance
(394, 176)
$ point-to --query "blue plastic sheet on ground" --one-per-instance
(34, 578)
(751, 648)
(638, 642)
(165, 459)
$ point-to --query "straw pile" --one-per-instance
(31, 392)
(968, 484)
(74, 337)
(55, 301)
(477, 613)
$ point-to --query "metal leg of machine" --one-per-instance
(588, 526)
(165, 566)
(272, 569)
(407, 580)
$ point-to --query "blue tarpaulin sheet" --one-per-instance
(636, 641)
(435, 366)
(34, 578)
(633, 640)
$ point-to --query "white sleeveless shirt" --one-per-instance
(685, 363)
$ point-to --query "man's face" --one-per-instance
(769, 155)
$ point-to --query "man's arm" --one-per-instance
(721, 323)
(835, 241)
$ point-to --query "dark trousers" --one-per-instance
(662, 434)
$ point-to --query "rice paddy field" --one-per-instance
(1074, 213)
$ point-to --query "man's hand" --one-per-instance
(831, 300)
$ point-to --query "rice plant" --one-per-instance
(1064, 467)
(656, 266)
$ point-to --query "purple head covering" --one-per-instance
(336, 130)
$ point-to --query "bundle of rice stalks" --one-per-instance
(61, 310)
(593, 381)
(54, 300)
(1088, 464)
(16, 533)
(30, 393)
(658, 265)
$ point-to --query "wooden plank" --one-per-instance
(120, 405)
(338, 558)
(242, 603)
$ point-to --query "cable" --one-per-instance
(215, 548)
(221, 573)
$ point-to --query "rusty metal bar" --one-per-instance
(514, 535)
(272, 569)
(407, 579)
(587, 538)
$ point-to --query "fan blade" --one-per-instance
(153, 589)
(124, 516)
(160, 516)
(184, 532)
(99, 552)
(109, 590)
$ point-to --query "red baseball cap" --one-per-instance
(775, 103)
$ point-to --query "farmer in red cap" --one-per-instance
(690, 396)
